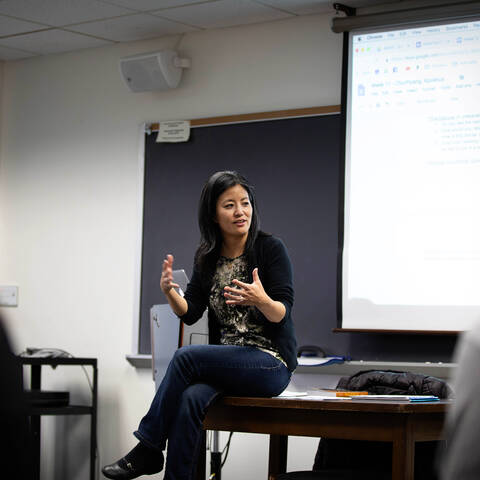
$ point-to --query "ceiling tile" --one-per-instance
(11, 26)
(131, 28)
(12, 54)
(223, 13)
(144, 5)
(60, 12)
(301, 7)
(25, 25)
(51, 41)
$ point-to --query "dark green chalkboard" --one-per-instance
(294, 164)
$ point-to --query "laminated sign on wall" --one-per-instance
(173, 131)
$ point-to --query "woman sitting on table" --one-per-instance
(244, 277)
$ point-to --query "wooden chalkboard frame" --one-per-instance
(260, 116)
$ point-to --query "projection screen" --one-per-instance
(411, 232)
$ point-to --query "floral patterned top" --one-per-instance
(238, 323)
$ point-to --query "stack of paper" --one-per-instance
(396, 398)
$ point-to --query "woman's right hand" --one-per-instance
(166, 280)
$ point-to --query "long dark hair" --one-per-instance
(210, 235)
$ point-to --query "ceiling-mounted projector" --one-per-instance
(153, 71)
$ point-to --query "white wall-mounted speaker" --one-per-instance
(153, 71)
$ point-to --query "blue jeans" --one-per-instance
(196, 375)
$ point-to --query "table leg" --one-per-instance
(201, 461)
(277, 458)
(93, 425)
(35, 384)
(35, 445)
(403, 455)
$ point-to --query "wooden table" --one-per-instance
(401, 423)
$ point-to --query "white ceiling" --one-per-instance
(40, 27)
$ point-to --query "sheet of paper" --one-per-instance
(312, 396)
(291, 394)
(173, 131)
(326, 397)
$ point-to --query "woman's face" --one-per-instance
(234, 212)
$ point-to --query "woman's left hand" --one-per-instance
(247, 293)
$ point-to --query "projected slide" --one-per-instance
(412, 188)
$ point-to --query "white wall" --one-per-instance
(69, 179)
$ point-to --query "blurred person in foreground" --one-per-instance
(15, 458)
(460, 460)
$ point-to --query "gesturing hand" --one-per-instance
(166, 280)
(246, 293)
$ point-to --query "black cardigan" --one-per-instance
(275, 272)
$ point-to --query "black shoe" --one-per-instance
(122, 470)
(141, 460)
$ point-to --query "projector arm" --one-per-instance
(349, 11)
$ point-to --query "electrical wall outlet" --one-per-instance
(8, 296)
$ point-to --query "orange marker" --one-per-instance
(349, 394)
